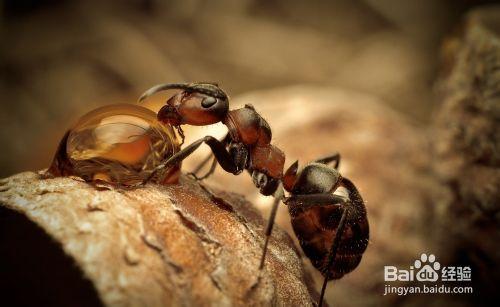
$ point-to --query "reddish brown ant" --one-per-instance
(332, 230)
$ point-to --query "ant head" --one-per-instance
(196, 104)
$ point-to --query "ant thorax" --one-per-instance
(316, 178)
(247, 126)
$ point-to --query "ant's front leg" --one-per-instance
(218, 148)
(239, 155)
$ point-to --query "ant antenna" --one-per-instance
(211, 89)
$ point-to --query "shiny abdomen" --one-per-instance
(315, 227)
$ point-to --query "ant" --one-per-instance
(332, 230)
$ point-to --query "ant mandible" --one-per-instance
(330, 228)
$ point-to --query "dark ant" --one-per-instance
(333, 231)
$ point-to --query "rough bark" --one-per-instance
(467, 148)
(175, 245)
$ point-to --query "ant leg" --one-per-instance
(194, 173)
(335, 158)
(210, 171)
(278, 196)
(332, 254)
(356, 210)
(218, 148)
(202, 163)
(305, 201)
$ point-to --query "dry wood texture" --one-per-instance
(159, 246)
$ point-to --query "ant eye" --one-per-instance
(208, 102)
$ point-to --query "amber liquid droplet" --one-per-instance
(121, 144)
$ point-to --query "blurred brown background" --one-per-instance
(61, 58)
(353, 76)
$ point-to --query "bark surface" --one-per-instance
(159, 245)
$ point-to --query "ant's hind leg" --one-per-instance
(335, 158)
(332, 253)
(278, 196)
(305, 201)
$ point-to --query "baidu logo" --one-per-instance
(427, 269)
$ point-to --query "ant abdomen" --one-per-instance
(316, 227)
